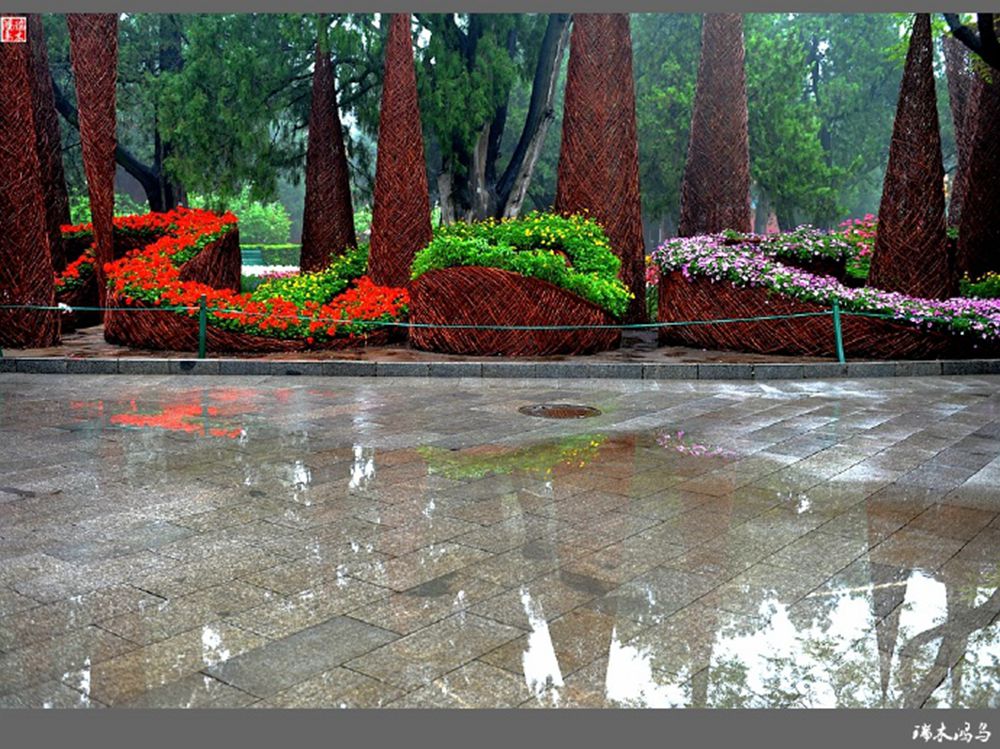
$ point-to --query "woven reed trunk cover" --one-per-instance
(979, 226)
(94, 55)
(911, 249)
(599, 157)
(960, 81)
(26, 275)
(401, 219)
(702, 299)
(218, 265)
(472, 295)
(715, 191)
(49, 142)
(328, 218)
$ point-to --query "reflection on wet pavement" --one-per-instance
(414, 543)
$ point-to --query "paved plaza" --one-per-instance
(178, 541)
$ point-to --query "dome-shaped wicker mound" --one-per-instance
(478, 296)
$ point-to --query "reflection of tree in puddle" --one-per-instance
(827, 654)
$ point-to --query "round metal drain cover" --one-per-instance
(559, 411)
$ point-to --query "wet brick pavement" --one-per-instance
(307, 542)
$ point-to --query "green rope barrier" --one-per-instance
(202, 325)
(838, 333)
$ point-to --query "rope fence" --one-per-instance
(202, 309)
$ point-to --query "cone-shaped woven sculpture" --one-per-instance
(599, 156)
(401, 221)
(715, 192)
(49, 142)
(328, 218)
(979, 226)
(26, 275)
(94, 54)
(911, 249)
(960, 81)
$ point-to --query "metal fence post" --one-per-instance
(838, 333)
(202, 325)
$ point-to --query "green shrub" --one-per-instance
(570, 252)
(275, 254)
(986, 287)
(260, 223)
(79, 207)
(320, 286)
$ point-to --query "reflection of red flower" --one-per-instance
(187, 415)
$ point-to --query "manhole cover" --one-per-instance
(559, 411)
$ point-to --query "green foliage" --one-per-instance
(570, 252)
(788, 163)
(319, 286)
(260, 223)
(985, 287)
(665, 50)
(79, 207)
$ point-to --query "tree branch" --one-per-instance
(985, 43)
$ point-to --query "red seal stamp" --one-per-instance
(13, 29)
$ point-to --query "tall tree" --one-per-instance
(401, 223)
(26, 275)
(715, 193)
(911, 255)
(469, 68)
(328, 216)
(48, 141)
(599, 158)
(94, 52)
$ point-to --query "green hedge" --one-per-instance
(276, 254)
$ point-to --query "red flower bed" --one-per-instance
(155, 276)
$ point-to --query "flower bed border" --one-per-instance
(476, 295)
(700, 298)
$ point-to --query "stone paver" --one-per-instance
(186, 541)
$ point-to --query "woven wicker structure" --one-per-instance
(960, 81)
(26, 275)
(94, 55)
(715, 192)
(328, 218)
(218, 265)
(979, 226)
(401, 219)
(473, 295)
(911, 248)
(49, 142)
(702, 299)
(599, 156)
(160, 331)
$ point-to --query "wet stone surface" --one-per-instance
(191, 542)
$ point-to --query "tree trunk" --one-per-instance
(328, 216)
(26, 274)
(715, 192)
(599, 158)
(94, 56)
(49, 142)
(960, 80)
(513, 185)
(911, 249)
(171, 192)
(401, 222)
(979, 227)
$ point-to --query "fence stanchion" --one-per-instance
(202, 325)
(838, 333)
